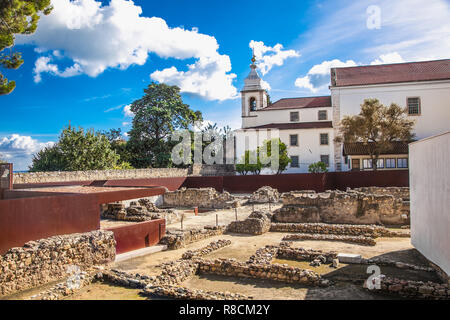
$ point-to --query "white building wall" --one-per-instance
(430, 198)
(434, 96)
(283, 116)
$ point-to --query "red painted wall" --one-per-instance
(138, 235)
(303, 181)
(22, 220)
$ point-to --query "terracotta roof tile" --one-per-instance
(391, 73)
(295, 125)
(359, 148)
(297, 103)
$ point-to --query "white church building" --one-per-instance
(308, 125)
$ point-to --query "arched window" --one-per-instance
(252, 104)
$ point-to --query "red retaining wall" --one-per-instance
(170, 183)
(302, 181)
(205, 182)
(22, 220)
(138, 235)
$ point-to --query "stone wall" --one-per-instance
(414, 289)
(342, 207)
(277, 272)
(257, 223)
(397, 192)
(265, 195)
(175, 239)
(369, 241)
(199, 197)
(137, 211)
(59, 176)
(339, 229)
(5, 177)
(45, 260)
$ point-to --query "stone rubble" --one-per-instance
(142, 210)
(258, 222)
(414, 289)
(45, 260)
(368, 241)
(176, 239)
(184, 293)
(201, 198)
(265, 194)
(213, 246)
(338, 229)
(334, 206)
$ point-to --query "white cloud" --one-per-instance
(388, 58)
(267, 57)
(208, 77)
(19, 149)
(96, 37)
(43, 64)
(127, 111)
(318, 77)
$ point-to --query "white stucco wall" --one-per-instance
(308, 149)
(430, 198)
(434, 96)
(283, 116)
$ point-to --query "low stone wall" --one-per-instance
(199, 197)
(45, 260)
(258, 222)
(213, 246)
(414, 289)
(397, 192)
(177, 292)
(369, 241)
(176, 239)
(342, 207)
(301, 254)
(277, 272)
(138, 211)
(61, 176)
(338, 229)
(265, 195)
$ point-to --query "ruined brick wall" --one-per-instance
(46, 260)
(198, 197)
(175, 239)
(342, 207)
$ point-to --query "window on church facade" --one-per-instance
(294, 116)
(324, 139)
(293, 139)
(252, 104)
(325, 158)
(414, 106)
(323, 115)
(294, 162)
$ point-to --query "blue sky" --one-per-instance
(88, 60)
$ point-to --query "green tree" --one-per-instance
(76, 149)
(157, 115)
(283, 157)
(245, 166)
(120, 146)
(378, 127)
(318, 167)
(17, 17)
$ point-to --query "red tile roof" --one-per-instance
(360, 148)
(391, 73)
(297, 103)
(295, 125)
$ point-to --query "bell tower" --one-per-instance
(254, 97)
